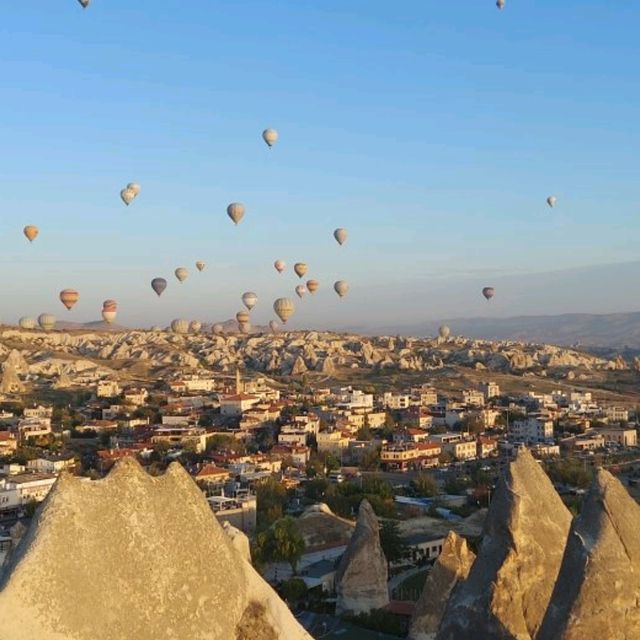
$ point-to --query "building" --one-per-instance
(354, 399)
(486, 446)
(108, 389)
(400, 457)
(210, 477)
(473, 398)
(490, 390)
(532, 429)
(237, 404)
(239, 511)
(137, 396)
(51, 464)
(19, 490)
(619, 435)
(291, 437)
(617, 414)
(183, 436)
(425, 395)
(33, 428)
(333, 442)
(38, 412)
(462, 449)
(8, 443)
(396, 401)
(99, 426)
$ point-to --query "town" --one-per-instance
(298, 458)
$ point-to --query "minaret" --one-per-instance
(238, 382)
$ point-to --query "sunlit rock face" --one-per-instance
(510, 584)
(361, 577)
(597, 594)
(135, 556)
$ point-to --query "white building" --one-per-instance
(490, 389)
(38, 412)
(396, 401)
(33, 428)
(136, 396)
(50, 465)
(18, 490)
(617, 414)
(532, 429)
(237, 404)
(355, 399)
(473, 398)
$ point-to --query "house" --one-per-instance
(532, 429)
(99, 426)
(292, 437)
(486, 446)
(8, 443)
(462, 449)
(136, 396)
(108, 389)
(191, 436)
(237, 404)
(400, 457)
(33, 428)
(617, 414)
(619, 435)
(209, 476)
(490, 390)
(333, 442)
(354, 399)
(396, 401)
(51, 464)
(239, 511)
(37, 412)
(19, 490)
(473, 398)
(425, 395)
(299, 454)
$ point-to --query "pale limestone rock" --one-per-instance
(361, 577)
(451, 567)
(510, 584)
(239, 540)
(598, 590)
(135, 556)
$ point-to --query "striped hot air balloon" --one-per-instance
(69, 297)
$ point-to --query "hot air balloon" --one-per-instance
(300, 268)
(127, 196)
(488, 292)
(134, 187)
(500, 4)
(274, 326)
(159, 285)
(284, 308)
(340, 235)
(31, 231)
(180, 326)
(181, 274)
(27, 323)
(249, 299)
(109, 310)
(270, 136)
(242, 316)
(218, 329)
(245, 327)
(341, 287)
(551, 201)
(444, 332)
(84, 3)
(279, 265)
(200, 265)
(236, 211)
(300, 290)
(46, 321)
(312, 286)
(195, 326)
(156, 329)
(69, 297)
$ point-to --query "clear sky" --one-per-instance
(432, 131)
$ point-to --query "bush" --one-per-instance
(380, 620)
(293, 590)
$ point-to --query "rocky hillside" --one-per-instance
(135, 556)
(33, 355)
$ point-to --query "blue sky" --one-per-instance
(433, 131)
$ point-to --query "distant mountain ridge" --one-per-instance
(590, 330)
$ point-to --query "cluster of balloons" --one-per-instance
(130, 193)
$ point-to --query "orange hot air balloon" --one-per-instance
(31, 231)
(300, 268)
(312, 286)
(242, 317)
(69, 297)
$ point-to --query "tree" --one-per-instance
(392, 545)
(426, 485)
(282, 542)
(271, 497)
(364, 433)
(293, 590)
(370, 460)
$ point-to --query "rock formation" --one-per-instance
(361, 577)
(135, 556)
(510, 584)
(598, 590)
(239, 540)
(451, 567)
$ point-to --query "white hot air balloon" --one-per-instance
(270, 136)
(182, 274)
(301, 290)
(47, 321)
(200, 265)
(279, 265)
(284, 308)
(249, 299)
(236, 212)
(109, 316)
(27, 323)
(180, 326)
(341, 287)
(127, 195)
(444, 332)
(134, 187)
(551, 201)
(340, 235)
